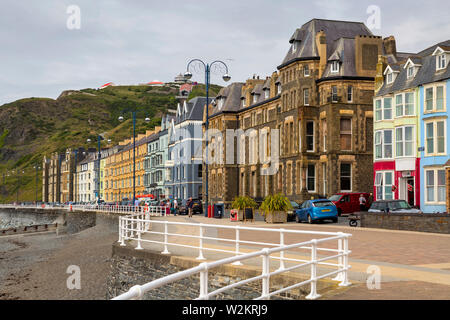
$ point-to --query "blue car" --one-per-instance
(315, 210)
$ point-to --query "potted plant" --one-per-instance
(242, 202)
(275, 207)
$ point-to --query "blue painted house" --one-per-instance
(434, 97)
(184, 164)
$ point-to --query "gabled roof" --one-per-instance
(232, 95)
(334, 30)
(192, 110)
(413, 61)
(425, 74)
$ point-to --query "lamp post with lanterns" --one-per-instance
(133, 113)
(226, 77)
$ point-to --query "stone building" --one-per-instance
(320, 100)
(51, 181)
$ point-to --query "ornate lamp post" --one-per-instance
(226, 78)
(133, 113)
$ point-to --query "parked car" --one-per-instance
(315, 210)
(197, 206)
(291, 213)
(392, 206)
(348, 202)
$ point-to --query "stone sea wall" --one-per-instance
(130, 267)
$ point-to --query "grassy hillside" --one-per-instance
(33, 127)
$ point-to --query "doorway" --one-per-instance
(410, 191)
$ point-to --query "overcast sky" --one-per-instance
(132, 42)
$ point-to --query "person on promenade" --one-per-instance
(362, 203)
(189, 206)
(175, 206)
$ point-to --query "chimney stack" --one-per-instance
(389, 45)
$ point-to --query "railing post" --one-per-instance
(120, 229)
(237, 263)
(123, 231)
(204, 282)
(281, 252)
(139, 227)
(166, 251)
(266, 275)
(313, 294)
(200, 253)
(345, 282)
(340, 275)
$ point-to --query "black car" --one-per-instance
(400, 206)
(197, 206)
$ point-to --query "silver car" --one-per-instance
(397, 206)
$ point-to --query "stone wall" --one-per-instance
(130, 267)
(437, 223)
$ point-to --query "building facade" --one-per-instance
(320, 100)
(184, 164)
(410, 131)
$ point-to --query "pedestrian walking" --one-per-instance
(362, 203)
(175, 206)
(189, 206)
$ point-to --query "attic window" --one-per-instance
(441, 62)
(335, 66)
(389, 78)
(266, 94)
(255, 98)
(243, 102)
(294, 46)
(279, 88)
(410, 72)
(221, 101)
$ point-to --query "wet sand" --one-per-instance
(35, 266)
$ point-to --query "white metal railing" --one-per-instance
(133, 227)
(119, 209)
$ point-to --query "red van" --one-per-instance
(348, 202)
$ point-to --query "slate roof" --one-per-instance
(194, 110)
(333, 29)
(232, 95)
(426, 74)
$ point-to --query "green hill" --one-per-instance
(33, 127)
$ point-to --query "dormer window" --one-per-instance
(441, 62)
(221, 101)
(389, 78)
(334, 66)
(266, 94)
(279, 88)
(410, 72)
(294, 46)
(255, 98)
(243, 102)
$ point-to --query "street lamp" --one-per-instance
(37, 168)
(226, 77)
(147, 119)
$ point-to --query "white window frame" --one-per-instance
(380, 109)
(306, 97)
(385, 109)
(306, 71)
(334, 66)
(383, 144)
(410, 72)
(403, 96)
(382, 185)
(435, 137)
(279, 88)
(441, 61)
(266, 94)
(435, 186)
(389, 78)
(404, 141)
(434, 88)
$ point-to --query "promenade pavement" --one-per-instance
(413, 265)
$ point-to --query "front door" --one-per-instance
(410, 191)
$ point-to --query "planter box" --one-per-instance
(276, 217)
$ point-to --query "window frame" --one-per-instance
(436, 186)
(340, 177)
(306, 71)
(350, 93)
(434, 98)
(404, 141)
(383, 186)
(308, 176)
(334, 94)
(306, 96)
(309, 135)
(435, 137)
(383, 144)
(334, 66)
